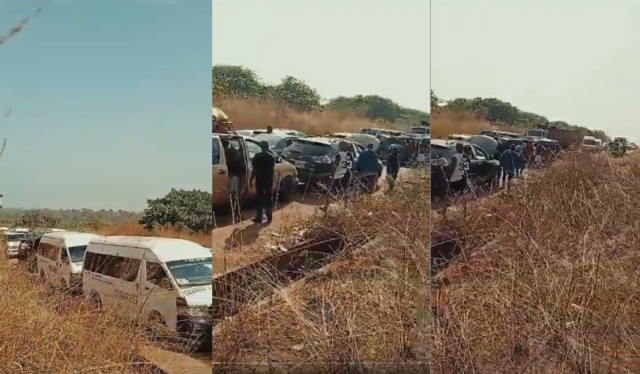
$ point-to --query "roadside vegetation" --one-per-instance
(544, 280)
(468, 116)
(292, 104)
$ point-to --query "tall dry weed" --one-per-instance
(548, 277)
(253, 114)
(49, 332)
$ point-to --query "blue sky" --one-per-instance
(338, 47)
(110, 102)
(576, 61)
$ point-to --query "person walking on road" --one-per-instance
(367, 165)
(508, 162)
(262, 172)
(393, 167)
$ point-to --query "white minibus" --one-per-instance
(164, 283)
(59, 258)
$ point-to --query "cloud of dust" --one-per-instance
(445, 123)
(251, 114)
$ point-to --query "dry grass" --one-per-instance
(251, 114)
(133, 229)
(47, 332)
(445, 123)
(548, 279)
(369, 305)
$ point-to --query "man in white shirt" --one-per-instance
(342, 164)
(458, 167)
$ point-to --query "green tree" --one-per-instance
(181, 210)
(236, 81)
(298, 95)
(36, 219)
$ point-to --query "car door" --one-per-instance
(253, 148)
(483, 164)
(220, 181)
(64, 266)
(157, 293)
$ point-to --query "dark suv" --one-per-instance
(483, 170)
(314, 158)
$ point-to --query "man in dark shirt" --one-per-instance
(263, 168)
(393, 167)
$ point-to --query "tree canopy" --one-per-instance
(240, 82)
(504, 113)
(181, 210)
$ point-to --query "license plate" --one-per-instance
(301, 164)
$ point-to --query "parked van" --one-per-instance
(165, 283)
(60, 257)
(12, 241)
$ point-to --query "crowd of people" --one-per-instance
(513, 161)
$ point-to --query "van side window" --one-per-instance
(129, 269)
(157, 276)
(49, 251)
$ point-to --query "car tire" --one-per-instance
(286, 190)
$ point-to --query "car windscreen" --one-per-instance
(216, 152)
(387, 142)
(269, 138)
(192, 272)
(589, 142)
(15, 237)
(311, 149)
(442, 151)
(76, 253)
(421, 130)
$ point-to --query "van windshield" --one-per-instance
(15, 237)
(194, 272)
(76, 253)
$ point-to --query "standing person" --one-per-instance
(237, 176)
(367, 165)
(530, 152)
(262, 173)
(508, 161)
(269, 130)
(457, 171)
(521, 156)
(341, 177)
(393, 167)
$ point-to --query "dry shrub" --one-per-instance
(548, 277)
(367, 305)
(133, 229)
(252, 114)
(445, 123)
(49, 332)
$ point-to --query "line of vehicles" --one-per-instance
(301, 160)
(486, 147)
(164, 284)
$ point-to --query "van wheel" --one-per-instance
(286, 190)
(156, 325)
(96, 302)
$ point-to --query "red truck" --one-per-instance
(566, 138)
